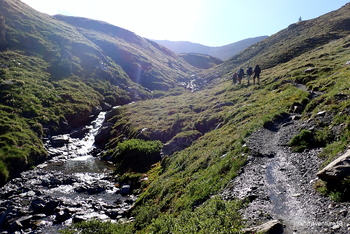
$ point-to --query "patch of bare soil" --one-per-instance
(280, 184)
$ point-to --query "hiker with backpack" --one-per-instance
(235, 77)
(249, 74)
(240, 73)
(257, 71)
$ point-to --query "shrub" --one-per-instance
(136, 155)
(301, 141)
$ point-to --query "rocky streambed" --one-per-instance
(72, 186)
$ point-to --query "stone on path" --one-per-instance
(337, 170)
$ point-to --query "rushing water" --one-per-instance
(70, 187)
(76, 153)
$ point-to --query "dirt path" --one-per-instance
(280, 184)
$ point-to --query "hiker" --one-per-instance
(249, 74)
(240, 75)
(235, 77)
(257, 71)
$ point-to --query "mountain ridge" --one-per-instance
(222, 52)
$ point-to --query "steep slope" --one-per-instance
(289, 43)
(55, 76)
(222, 52)
(145, 62)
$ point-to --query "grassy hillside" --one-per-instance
(145, 62)
(180, 195)
(54, 75)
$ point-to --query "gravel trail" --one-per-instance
(280, 184)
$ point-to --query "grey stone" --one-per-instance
(337, 170)
(125, 189)
(273, 226)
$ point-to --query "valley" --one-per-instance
(200, 154)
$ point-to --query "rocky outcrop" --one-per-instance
(337, 170)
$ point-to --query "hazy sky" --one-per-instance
(208, 22)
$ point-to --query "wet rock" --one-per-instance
(125, 189)
(79, 218)
(103, 133)
(113, 213)
(23, 222)
(59, 141)
(337, 170)
(79, 133)
(62, 216)
(38, 205)
(273, 226)
(96, 110)
(16, 226)
(64, 125)
(321, 113)
(106, 106)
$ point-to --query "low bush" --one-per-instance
(136, 155)
(301, 141)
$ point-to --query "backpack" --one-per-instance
(240, 72)
(249, 71)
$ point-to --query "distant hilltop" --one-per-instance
(221, 52)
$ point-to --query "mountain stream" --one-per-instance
(72, 186)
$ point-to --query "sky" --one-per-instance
(207, 22)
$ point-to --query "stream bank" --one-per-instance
(72, 186)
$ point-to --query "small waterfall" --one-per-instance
(75, 154)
